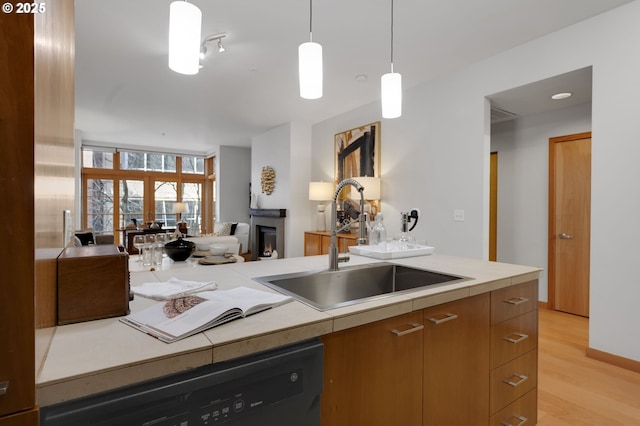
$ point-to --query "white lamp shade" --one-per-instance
(180, 208)
(310, 69)
(391, 87)
(185, 20)
(321, 191)
(371, 188)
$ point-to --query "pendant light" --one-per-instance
(310, 64)
(391, 87)
(185, 20)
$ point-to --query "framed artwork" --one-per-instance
(357, 153)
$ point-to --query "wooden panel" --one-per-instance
(512, 380)
(54, 155)
(93, 283)
(46, 275)
(523, 333)
(318, 242)
(513, 301)
(17, 213)
(312, 244)
(325, 243)
(372, 376)
(522, 411)
(456, 363)
(25, 418)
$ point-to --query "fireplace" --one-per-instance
(267, 233)
(267, 240)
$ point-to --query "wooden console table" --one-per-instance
(318, 242)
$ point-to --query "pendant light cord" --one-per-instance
(391, 35)
(310, 20)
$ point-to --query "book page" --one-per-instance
(178, 318)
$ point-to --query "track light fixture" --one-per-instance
(211, 39)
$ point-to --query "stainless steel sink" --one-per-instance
(325, 290)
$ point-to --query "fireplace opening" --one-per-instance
(267, 241)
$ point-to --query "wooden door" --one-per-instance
(493, 206)
(569, 222)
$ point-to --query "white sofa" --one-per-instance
(240, 236)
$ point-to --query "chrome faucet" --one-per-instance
(334, 259)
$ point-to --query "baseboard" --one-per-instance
(612, 359)
(543, 305)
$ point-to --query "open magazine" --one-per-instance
(179, 318)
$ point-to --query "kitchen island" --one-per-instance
(85, 358)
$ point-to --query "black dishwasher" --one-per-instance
(277, 387)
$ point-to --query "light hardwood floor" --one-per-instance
(574, 389)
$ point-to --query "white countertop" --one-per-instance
(84, 358)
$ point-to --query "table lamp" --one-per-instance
(321, 191)
(371, 192)
(178, 209)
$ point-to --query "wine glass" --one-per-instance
(138, 243)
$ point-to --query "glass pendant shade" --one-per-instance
(391, 87)
(310, 68)
(185, 20)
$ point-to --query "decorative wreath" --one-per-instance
(268, 180)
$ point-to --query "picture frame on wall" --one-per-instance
(357, 152)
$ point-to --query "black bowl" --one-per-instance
(179, 250)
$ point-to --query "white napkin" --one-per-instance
(172, 289)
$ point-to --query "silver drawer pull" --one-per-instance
(414, 327)
(517, 300)
(513, 379)
(519, 337)
(447, 317)
(4, 386)
(522, 420)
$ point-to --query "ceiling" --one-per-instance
(126, 95)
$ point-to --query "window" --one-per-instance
(193, 165)
(131, 202)
(120, 186)
(99, 205)
(143, 161)
(96, 158)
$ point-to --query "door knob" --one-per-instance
(564, 236)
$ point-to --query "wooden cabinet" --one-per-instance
(514, 355)
(373, 374)
(456, 362)
(17, 376)
(318, 242)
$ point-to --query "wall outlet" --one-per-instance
(458, 215)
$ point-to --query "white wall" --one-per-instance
(523, 183)
(435, 157)
(233, 174)
(286, 149)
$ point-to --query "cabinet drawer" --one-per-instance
(521, 411)
(512, 380)
(514, 337)
(512, 301)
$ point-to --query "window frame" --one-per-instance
(149, 178)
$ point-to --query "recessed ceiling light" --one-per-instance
(563, 95)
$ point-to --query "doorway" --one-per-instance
(569, 223)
